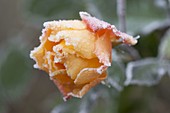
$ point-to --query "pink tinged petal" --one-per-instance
(93, 23)
(96, 25)
(127, 39)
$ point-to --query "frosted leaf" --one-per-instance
(116, 73)
(70, 106)
(164, 51)
(145, 72)
(98, 101)
(58, 109)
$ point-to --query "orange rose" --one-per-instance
(76, 53)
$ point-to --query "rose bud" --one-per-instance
(77, 53)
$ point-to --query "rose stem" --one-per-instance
(168, 8)
(121, 12)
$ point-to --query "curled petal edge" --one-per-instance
(101, 75)
(96, 25)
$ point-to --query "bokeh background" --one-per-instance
(138, 80)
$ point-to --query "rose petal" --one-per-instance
(66, 86)
(80, 92)
(75, 64)
(77, 53)
(103, 49)
(65, 24)
(82, 40)
(87, 75)
(39, 52)
(97, 25)
(53, 68)
(93, 23)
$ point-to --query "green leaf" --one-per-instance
(151, 37)
(142, 99)
(136, 99)
(164, 51)
(146, 72)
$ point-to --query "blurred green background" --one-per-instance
(138, 80)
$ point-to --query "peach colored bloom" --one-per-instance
(77, 53)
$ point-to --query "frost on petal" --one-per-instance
(68, 88)
(89, 74)
(81, 40)
(39, 52)
(93, 23)
(65, 24)
(103, 49)
(75, 64)
(97, 26)
(76, 54)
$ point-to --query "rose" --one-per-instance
(76, 53)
